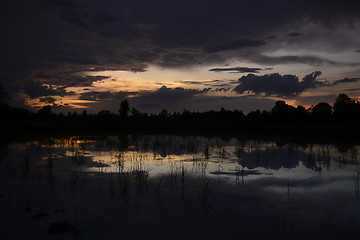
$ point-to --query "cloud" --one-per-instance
(211, 83)
(237, 70)
(352, 89)
(178, 99)
(170, 98)
(177, 59)
(170, 94)
(131, 68)
(276, 84)
(36, 89)
(294, 34)
(235, 45)
(346, 80)
(222, 89)
(132, 35)
(48, 100)
(68, 80)
(100, 96)
(309, 60)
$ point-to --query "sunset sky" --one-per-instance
(195, 55)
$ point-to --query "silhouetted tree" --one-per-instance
(124, 109)
(45, 112)
(163, 113)
(301, 113)
(254, 116)
(104, 115)
(134, 112)
(342, 100)
(283, 112)
(4, 98)
(322, 112)
(346, 109)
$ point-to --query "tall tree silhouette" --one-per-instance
(322, 112)
(124, 109)
(283, 112)
(346, 109)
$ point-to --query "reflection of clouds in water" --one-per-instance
(252, 184)
(231, 151)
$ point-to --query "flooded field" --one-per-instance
(176, 187)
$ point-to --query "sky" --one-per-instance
(197, 55)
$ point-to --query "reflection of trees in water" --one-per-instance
(328, 157)
(269, 157)
(324, 157)
(310, 161)
(315, 157)
(248, 154)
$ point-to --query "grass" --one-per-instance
(77, 156)
(176, 171)
(140, 171)
(200, 164)
(120, 162)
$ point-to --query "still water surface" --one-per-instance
(145, 185)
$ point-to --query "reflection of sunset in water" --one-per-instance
(93, 184)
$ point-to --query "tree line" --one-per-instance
(344, 110)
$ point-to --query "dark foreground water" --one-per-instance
(177, 187)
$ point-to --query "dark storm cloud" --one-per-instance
(100, 96)
(36, 89)
(235, 45)
(177, 59)
(310, 60)
(237, 70)
(95, 96)
(170, 98)
(276, 84)
(294, 34)
(120, 34)
(178, 99)
(66, 80)
(170, 94)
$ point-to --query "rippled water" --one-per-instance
(154, 185)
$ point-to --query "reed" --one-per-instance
(120, 162)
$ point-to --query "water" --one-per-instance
(177, 186)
